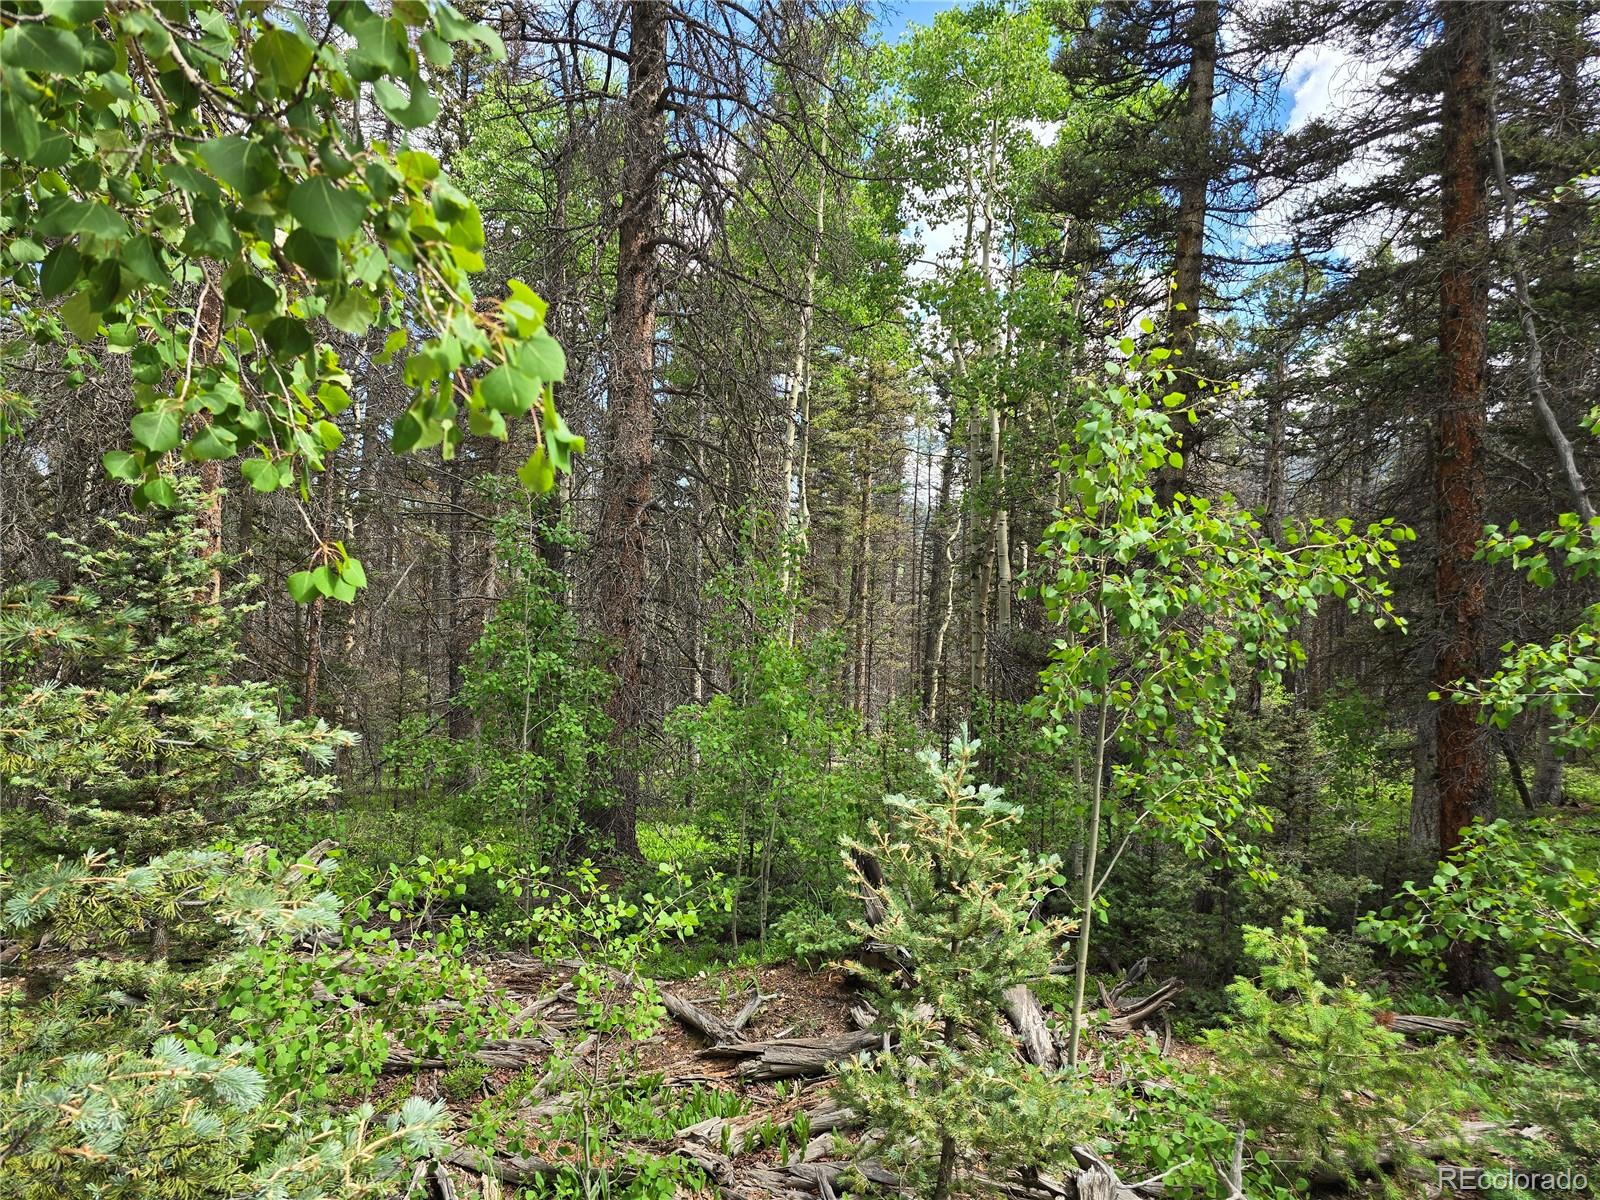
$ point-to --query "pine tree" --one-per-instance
(962, 912)
(121, 727)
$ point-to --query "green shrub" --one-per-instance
(772, 766)
(814, 935)
(464, 1081)
(135, 1078)
(1167, 1121)
(1314, 1070)
(961, 908)
(121, 726)
(1551, 1100)
(1528, 892)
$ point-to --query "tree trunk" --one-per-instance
(798, 410)
(862, 595)
(620, 548)
(1463, 753)
(459, 636)
(1193, 188)
(1424, 832)
(941, 577)
(1272, 485)
(1538, 388)
(1547, 771)
(313, 671)
(208, 327)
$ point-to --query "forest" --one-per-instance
(799, 599)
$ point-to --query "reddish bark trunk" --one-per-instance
(1193, 190)
(630, 419)
(1463, 751)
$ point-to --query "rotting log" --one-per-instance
(786, 1058)
(505, 1052)
(1027, 1017)
(707, 1024)
(1127, 1016)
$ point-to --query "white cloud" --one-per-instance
(1326, 82)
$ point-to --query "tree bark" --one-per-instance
(1463, 752)
(1547, 771)
(1538, 388)
(208, 340)
(1464, 761)
(1424, 829)
(941, 584)
(620, 545)
(1193, 189)
(798, 409)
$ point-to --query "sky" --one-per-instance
(1316, 83)
(894, 18)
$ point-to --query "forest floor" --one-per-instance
(735, 1084)
(675, 1071)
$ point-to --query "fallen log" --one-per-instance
(748, 1012)
(733, 1132)
(707, 1024)
(1098, 1180)
(1127, 1017)
(505, 1052)
(1027, 1017)
(1409, 1024)
(786, 1058)
(510, 1170)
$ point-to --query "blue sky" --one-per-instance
(894, 16)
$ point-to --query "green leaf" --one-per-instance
(436, 50)
(42, 49)
(158, 492)
(212, 443)
(301, 587)
(80, 315)
(141, 259)
(157, 432)
(54, 150)
(65, 216)
(20, 136)
(326, 210)
(261, 473)
(453, 27)
(244, 165)
(60, 271)
(119, 464)
(186, 178)
(281, 57)
(353, 573)
(382, 48)
(211, 235)
(486, 422)
(288, 337)
(252, 294)
(329, 434)
(408, 112)
(536, 474)
(508, 390)
(25, 250)
(318, 255)
(334, 398)
(542, 357)
(352, 313)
